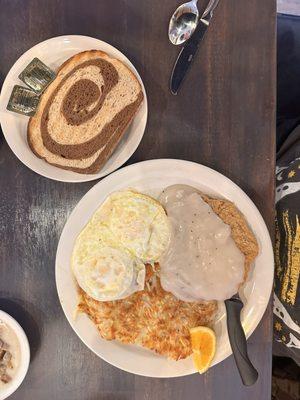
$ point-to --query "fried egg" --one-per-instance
(128, 230)
(137, 222)
(102, 269)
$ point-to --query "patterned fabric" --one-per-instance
(287, 250)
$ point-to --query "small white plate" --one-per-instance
(53, 52)
(24, 359)
(152, 177)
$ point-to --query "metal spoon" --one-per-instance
(183, 22)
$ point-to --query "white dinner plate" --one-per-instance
(151, 177)
(53, 52)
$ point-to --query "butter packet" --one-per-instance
(37, 76)
(23, 101)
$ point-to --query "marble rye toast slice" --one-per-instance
(84, 112)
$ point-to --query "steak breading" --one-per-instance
(240, 230)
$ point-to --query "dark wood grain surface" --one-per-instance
(224, 117)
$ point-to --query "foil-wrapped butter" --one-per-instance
(37, 75)
(23, 101)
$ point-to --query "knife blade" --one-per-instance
(187, 53)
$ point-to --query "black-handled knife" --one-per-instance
(238, 341)
(188, 52)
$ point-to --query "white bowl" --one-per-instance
(24, 358)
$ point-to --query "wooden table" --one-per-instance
(224, 117)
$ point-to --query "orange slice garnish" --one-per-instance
(203, 341)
